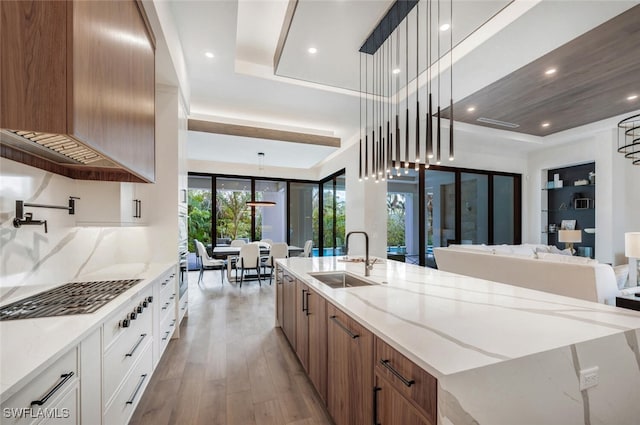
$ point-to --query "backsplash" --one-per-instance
(29, 256)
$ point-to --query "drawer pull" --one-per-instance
(289, 278)
(63, 378)
(173, 322)
(304, 291)
(386, 363)
(135, 393)
(375, 405)
(344, 328)
(166, 335)
(135, 347)
(165, 306)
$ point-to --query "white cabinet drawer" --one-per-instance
(113, 327)
(128, 395)
(183, 306)
(43, 391)
(123, 354)
(66, 411)
(167, 327)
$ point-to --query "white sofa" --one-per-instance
(519, 265)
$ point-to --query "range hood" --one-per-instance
(61, 154)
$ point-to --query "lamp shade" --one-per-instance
(632, 244)
(570, 236)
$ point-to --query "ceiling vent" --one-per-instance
(498, 122)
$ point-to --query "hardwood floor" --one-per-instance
(231, 366)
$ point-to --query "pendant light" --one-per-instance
(385, 151)
(254, 203)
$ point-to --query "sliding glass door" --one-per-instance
(303, 213)
(474, 208)
(440, 211)
(403, 217)
(271, 221)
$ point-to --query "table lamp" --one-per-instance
(569, 237)
(632, 250)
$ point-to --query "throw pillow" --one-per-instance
(622, 274)
(523, 251)
(561, 258)
(555, 250)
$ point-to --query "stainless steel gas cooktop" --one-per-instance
(70, 298)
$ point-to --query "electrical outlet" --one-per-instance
(589, 378)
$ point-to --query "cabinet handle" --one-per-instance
(308, 293)
(375, 405)
(135, 347)
(344, 328)
(166, 335)
(165, 306)
(63, 378)
(387, 364)
(173, 322)
(303, 297)
(289, 278)
(135, 392)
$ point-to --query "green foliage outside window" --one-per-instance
(395, 219)
(199, 210)
(233, 217)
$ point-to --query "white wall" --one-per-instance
(617, 197)
(213, 167)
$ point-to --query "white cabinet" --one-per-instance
(165, 311)
(53, 392)
(111, 203)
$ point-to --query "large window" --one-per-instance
(403, 218)
(441, 206)
(303, 213)
(233, 217)
(271, 222)
(303, 210)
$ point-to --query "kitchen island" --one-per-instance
(501, 354)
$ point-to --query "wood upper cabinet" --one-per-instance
(350, 370)
(84, 69)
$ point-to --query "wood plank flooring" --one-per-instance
(231, 366)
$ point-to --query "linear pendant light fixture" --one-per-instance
(382, 88)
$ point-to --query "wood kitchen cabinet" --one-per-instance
(289, 308)
(406, 394)
(279, 296)
(350, 371)
(391, 408)
(311, 335)
(85, 69)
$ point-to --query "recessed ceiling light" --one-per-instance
(312, 50)
(550, 71)
(209, 55)
(632, 97)
(396, 70)
(546, 124)
(444, 27)
(471, 108)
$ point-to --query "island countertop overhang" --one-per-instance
(448, 323)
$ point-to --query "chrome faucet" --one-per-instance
(367, 264)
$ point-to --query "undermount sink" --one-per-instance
(340, 280)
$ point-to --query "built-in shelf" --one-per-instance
(568, 187)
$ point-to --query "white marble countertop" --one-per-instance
(29, 345)
(448, 323)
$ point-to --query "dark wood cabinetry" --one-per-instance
(84, 69)
(350, 370)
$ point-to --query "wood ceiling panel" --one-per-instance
(596, 72)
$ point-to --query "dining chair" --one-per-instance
(249, 258)
(208, 263)
(267, 241)
(308, 246)
(237, 243)
(198, 259)
(278, 250)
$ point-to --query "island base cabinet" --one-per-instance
(317, 366)
(289, 308)
(349, 370)
(392, 408)
(279, 297)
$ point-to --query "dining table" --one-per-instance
(225, 252)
